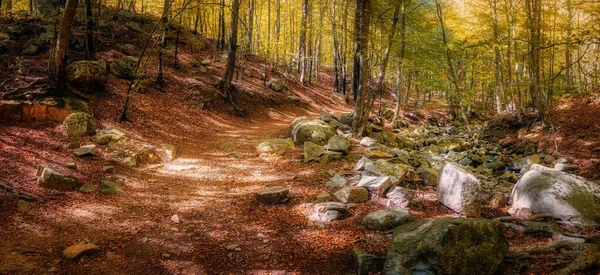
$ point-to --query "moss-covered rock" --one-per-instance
(79, 124)
(87, 76)
(447, 246)
(560, 194)
(386, 219)
(124, 67)
(313, 130)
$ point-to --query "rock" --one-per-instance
(397, 171)
(74, 251)
(108, 169)
(361, 164)
(384, 220)
(205, 62)
(124, 67)
(134, 26)
(497, 165)
(367, 263)
(88, 188)
(429, 176)
(175, 218)
(338, 144)
(465, 162)
(50, 178)
(276, 85)
(549, 159)
(86, 150)
(566, 167)
(380, 154)
(71, 165)
(376, 185)
(325, 116)
(325, 197)
(529, 160)
(326, 212)
(498, 201)
(275, 146)
(312, 151)
(399, 197)
(109, 187)
(368, 141)
(336, 183)
(330, 155)
(87, 76)
(559, 194)
(314, 130)
(79, 124)
(166, 152)
(22, 206)
(447, 246)
(273, 195)
(372, 170)
(352, 195)
(459, 190)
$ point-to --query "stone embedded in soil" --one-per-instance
(79, 124)
(50, 178)
(336, 183)
(352, 195)
(87, 188)
(367, 263)
(108, 169)
(272, 195)
(322, 213)
(86, 150)
(109, 187)
(386, 219)
(312, 151)
(338, 143)
(75, 251)
(275, 146)
(175, 218)
(399, 197)
(376, 185)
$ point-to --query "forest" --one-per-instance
(300, 136)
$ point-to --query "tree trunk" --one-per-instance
(251, 7)
(302, 42)
(89, 31)
(400, 80)
(568, 55)
(386, 55)
(361, 65)
(62, 44)
(221, 39)
(497, 68)
(225, 84)
(163, 43)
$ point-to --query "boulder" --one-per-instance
(429, 176)
(337, 182)
(326, 212)
(75, 251)
(338, 144)
(87, 76)
(376, 185)
(447, 246)
(273, 195)
(312, 151)
(367, 263)
(50, 178)
(104, 139)
(124, 67)
(86, 150)
(314, 130)
(361, 164)
(399, 197)
(109, 187)
(459, 190)
(384, 220)
(368, 141)
(79, 124)
(275, 145)
(352, 195)
(559, 194)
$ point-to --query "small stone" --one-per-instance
(352, 195)
(109, 187)
(565, 167)
(86, 150)
(22, 206)
(260, 236)
(87, 188)
(273, 195)
(175, 218)
(174, 229)
(238, 249)
(232, 247)
(144, 239)
(108, 169)
(166, 255)
(77, 250)
(52, 269)
(386, 219)
(498, 201)
(549, 159)
(71, 165)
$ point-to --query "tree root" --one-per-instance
(19, 194)
(588, 260)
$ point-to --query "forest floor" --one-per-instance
(209, 186)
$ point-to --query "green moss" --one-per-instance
(586, 204)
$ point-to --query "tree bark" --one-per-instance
(89, 31)
(251, 8)
(62, 44)
(361, 65)
(221, 39)
(302, 42)
(386, 55)
(225, 84)
(400, 80)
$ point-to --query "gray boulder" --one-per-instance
(559, 194)
(79, 124)
(459, 190)
(399, 197)
(314, 130)
(322, 213)
(273, 195)
(447, 246)
(50, 178)
(338, 144)
(376, 185)
(337, 182)
(383, 220)
(352, 195)
(124, 67)
(87, 76)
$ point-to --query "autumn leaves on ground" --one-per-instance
(188, 168)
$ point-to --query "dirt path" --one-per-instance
(210, 188)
